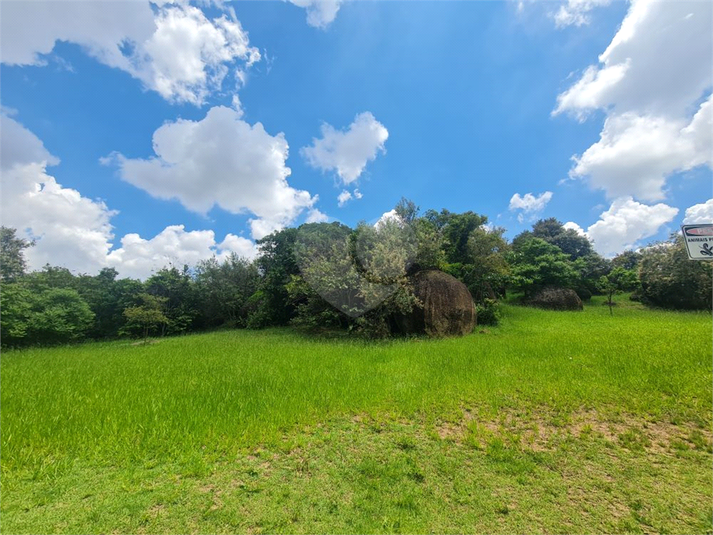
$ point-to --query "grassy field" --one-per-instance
(552, 422)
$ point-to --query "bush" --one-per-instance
(670, 280)
(488, 312)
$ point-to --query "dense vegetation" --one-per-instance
(550, 422)
(327, 275)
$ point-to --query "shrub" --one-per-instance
(670, 280)
(488, 312)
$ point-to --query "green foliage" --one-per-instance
(223, 290)
(108, 296)
(569, 241)
(670, 280)
(146, 317)
(42, 316)
(12, 260)
(627, 260)
(488, 312)
(456, 230)
(619, 280)
(276, 263)
(16, 313)
(177, 291)
(537, 264)
(591, 268)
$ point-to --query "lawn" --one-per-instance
(551, 422)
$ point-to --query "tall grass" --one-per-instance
(219, 392)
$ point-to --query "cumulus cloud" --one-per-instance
(347, 152)
(636, 153)
(529, 205)
(345, 196)
(653, 82)
(222, 161)
(625, 223)
(315, 216)
(63, 224)
(320, 13)
(700, 213)
(569, 225)
(138, 257)
(576, 12)
(176, 51)
(73, 231)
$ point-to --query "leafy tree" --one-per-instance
(591, 268)
(147, 316)
(627, 260)
(108, 296)
(537, 264)
(553, 231)
(12, 259)
(456, 230)
(16, 317)
(617, 281)
(272, 304)
(51, 277)
(670, 280)
(176, 288)
(60, 315)
(223, 290)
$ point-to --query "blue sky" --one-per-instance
(458, 105)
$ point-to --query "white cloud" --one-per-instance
(391, 215)
(139, 258)
(347, 152)
(569, 225)
(315, 216)
(320, 13)
(636, 153)
(653, 82)
(576, 12)
(529, 205)
(222, 161)
(64, 225)
(345, 196)
(625, 223)
(700, 213)
(76, 232)
(177, 51)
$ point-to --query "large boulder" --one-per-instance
(554, 298)
(447, 306)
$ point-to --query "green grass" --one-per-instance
(552, 422)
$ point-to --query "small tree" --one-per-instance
(537, 264)
(146, 316)
(12, 259)
(617, 281)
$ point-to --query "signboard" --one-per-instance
(699, 241)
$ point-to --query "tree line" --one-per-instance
(330, 276)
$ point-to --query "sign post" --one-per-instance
(699, 241)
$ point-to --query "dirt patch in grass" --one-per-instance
(544, 430)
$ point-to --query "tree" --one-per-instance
(148, 315)
(670, 280)
(12, 259)
(16, 316)
(223, 290)
(108, 296)
(177, 290)
(271, 303)
(455, 229)
(537, 264)
(553, 231)
(627, 260)
(617, 281)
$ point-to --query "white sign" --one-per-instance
(699, 241)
